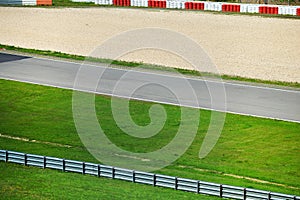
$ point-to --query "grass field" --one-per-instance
(20, 182)
(249, 152)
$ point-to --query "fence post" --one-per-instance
(245, 193)
(44, 163)
(269, 196)
(6, 156)
(99, 171)
(221, 190)
(64, 165)
(198, 187)
(113, 172)
(176, 183)
(25, 159)
(154, 179)
(83, 168)
(133, 176)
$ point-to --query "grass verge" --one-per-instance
(20, 182)
(120, 63)
(252, 152)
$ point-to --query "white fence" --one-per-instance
(189, 185)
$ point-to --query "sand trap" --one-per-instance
(248, 46)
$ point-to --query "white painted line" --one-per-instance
(147, 100)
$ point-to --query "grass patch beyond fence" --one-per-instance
(20, 182)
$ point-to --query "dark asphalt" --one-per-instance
(170, 89)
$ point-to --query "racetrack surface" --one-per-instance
(173, 89)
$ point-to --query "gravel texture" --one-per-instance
(247, 46)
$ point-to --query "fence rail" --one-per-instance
(189, 185)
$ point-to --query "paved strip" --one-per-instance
(169, 89)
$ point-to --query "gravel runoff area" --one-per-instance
(247, 46)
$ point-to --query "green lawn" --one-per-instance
(257, 148)
(20, 182)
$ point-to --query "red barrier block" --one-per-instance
(224, 7)
(194, 6)
(44, 2)
(231, 8)
(155, 4)
(187, 5)
(265, 10)
(268, 10)
(262, 9)
(237, 8)
(298, 11)
(191, 4)
(197, 6)
(201, 6)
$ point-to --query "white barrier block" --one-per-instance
(138, 3)
(207, 5)
(176, 4)
(253, 9)
(293, 10)
(168, 4)
(87, 1)
(217, 6)
(29, 2)
(182, 5)
(282, 10)
(244, 8)
(213, 6)
(287, 10)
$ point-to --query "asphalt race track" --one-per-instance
(165, 88)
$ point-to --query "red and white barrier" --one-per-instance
(201, 5)
(26, 2)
